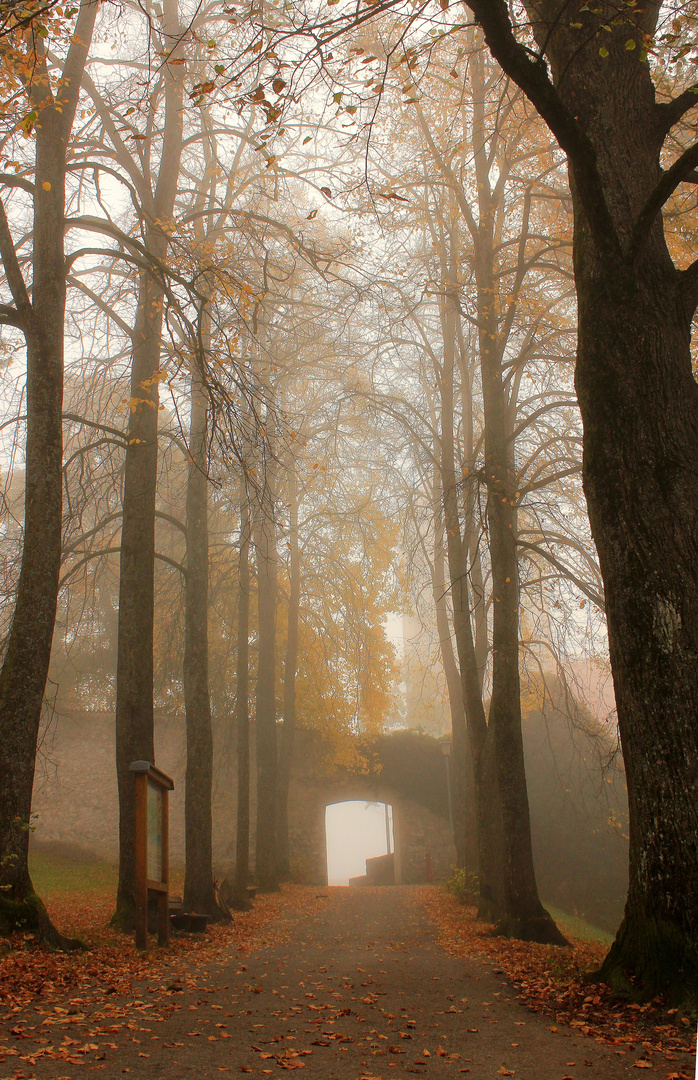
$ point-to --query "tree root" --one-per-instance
(540, 928)
(124, 918)
(28, 915)
(652, 957)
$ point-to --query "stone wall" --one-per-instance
(75, 793)
(75, 799)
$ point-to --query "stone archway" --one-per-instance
(420, 829)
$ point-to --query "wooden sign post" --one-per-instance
(152, 849)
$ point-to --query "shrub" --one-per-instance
(463, 884)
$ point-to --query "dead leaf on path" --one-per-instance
(505, 1072)
(642, 1064)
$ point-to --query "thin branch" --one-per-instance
(670, 180)
(13, 273)
(670, 112)
(530, 73)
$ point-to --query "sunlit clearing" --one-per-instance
(356, 831)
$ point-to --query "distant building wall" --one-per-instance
(76, 803)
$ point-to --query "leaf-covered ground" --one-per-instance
(553, 981)
(348, 984)
(59, 986)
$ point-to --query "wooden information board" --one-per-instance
(152, 862)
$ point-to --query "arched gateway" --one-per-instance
(408, 772)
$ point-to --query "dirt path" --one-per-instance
(357, 987)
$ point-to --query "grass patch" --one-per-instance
(58, 875)
(578, 927)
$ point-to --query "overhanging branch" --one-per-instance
(530, 73)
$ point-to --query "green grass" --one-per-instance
(55, 874)
(578, 927)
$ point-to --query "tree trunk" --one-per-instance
(266, 861)
(288, 728)
(463, 779)
(640, 410)
(134, 669)
(490, 866)
(134, 672)
(28, 653)
(639, 404)
(199, 892)
(524, 916)
(240, 899)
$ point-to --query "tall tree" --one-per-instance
(240, 896)
(288, 729)
(264, 527)
(591, 81)
(134, 675)
(199, 891)
(39, 311)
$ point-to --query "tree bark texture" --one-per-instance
(28, 652)
(134, 673)
(639, 405)
(199, 891)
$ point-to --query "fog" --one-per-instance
(355, 832)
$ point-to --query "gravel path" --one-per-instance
(355, 986)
